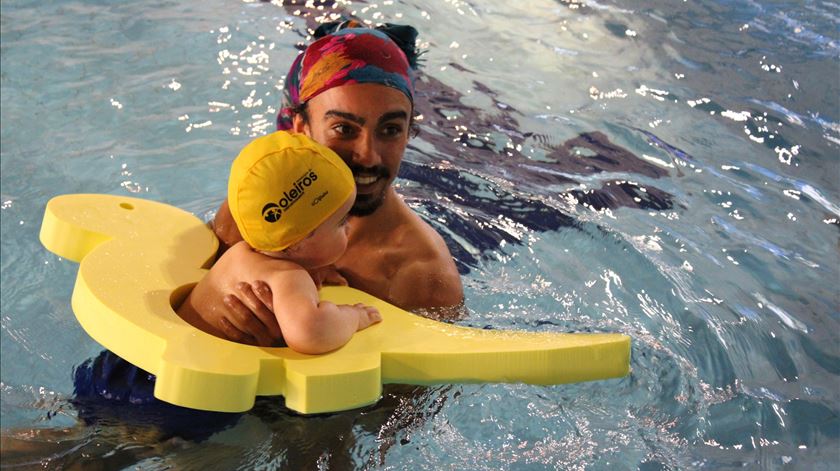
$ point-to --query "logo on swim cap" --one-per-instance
(272, 211)
(318, 198)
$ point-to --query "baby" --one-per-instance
(289, 197)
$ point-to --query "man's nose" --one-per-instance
(365, 152)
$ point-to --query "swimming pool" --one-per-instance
(663, 169)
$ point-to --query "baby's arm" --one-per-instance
(309, 325)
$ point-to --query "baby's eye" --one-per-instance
(343, 221)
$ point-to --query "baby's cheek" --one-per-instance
(343, 240)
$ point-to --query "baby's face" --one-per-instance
(327, 243)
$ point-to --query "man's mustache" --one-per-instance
(379, 171)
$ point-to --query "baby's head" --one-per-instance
(287, 191)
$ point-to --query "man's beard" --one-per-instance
(365, 205)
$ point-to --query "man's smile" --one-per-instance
(368, 178)
(365, 179)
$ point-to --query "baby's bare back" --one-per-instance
(238, 264)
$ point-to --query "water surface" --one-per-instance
(668, 170)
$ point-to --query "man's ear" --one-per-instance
(299, 125)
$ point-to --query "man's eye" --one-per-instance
(343, 129)
(392, 130)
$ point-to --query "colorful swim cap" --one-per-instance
(283, 186)
(347, 56)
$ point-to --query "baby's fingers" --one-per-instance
(368, 315)
(373, 314)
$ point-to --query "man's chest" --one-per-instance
(369, 268)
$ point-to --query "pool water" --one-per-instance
(664, 169)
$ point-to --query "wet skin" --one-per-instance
(392, 253)
(367, 126)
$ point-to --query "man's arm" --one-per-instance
(427, 278)
(430, 285)
(225, 228)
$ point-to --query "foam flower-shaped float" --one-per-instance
(139, 258)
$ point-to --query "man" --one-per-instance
(351, 91)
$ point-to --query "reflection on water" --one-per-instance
(662, 169)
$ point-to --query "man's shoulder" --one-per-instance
(405, 262)
(427, 272)
(427, 283)
(420, 237)
(225, 228)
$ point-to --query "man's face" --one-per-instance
(367, 125)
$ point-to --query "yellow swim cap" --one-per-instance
(283, 186)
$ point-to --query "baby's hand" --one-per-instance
(368, 315)
(327, 276)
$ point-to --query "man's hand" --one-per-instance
(249, 314)
(249, 317)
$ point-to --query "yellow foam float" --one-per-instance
(139, 258)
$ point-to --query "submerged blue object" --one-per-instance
(109, 389)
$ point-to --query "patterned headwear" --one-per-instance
(346, 54)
